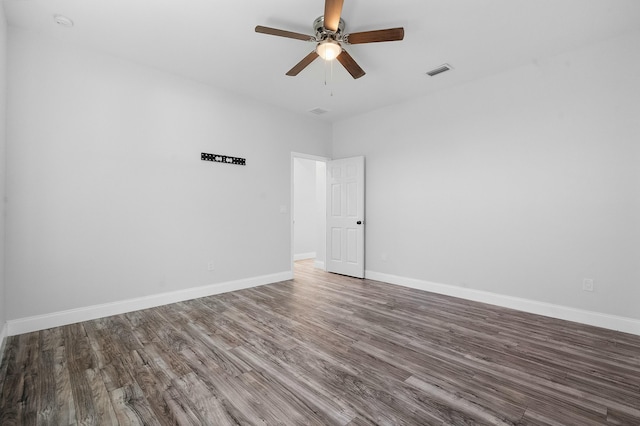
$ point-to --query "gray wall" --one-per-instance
(521, 184)
(108, 198)
(3, 103)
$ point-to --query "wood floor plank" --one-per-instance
(11, 405)
(447, 374)
(559, 412)
(458, 404)
(322, 349)
(131, 407)
(47, 406)
(331, 408)
(29, 402)
(78, 361)
(104, 411)
(209, 406)
(285, 404)
(65, 403)
(181, 408)
(154, 383)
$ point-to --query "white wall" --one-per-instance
(3, 102)
(304, 209)
(521, 184)
(107, 196)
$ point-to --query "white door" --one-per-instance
(345, 216)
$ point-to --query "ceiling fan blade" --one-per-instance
(283, 33)
(302, 64)
(332, 12)
(350, 65)
(391, 34)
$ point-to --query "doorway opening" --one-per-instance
(308, 210)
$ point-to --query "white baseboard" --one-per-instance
(319, 264)
(56, 319)
(612, 322)
(303, 256)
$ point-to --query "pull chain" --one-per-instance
(330, 66)
(332, 78)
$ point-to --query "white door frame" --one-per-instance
(295, 155)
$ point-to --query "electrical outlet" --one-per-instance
(210, 266)
(587, 284)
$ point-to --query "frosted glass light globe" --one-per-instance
(328, 50)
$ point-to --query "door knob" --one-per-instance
(359, 222)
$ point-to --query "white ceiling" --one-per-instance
(214, 42)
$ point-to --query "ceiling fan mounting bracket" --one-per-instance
(321, 33)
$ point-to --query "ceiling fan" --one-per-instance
(329, 38)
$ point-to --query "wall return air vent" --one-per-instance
(442, 68)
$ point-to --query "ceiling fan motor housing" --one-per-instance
(322, 33)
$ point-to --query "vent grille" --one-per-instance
(442, 68)
(318, 111)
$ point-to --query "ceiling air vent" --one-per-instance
(442, 68)
(318, 111)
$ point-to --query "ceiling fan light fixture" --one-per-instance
(329, 34)
(328, 49)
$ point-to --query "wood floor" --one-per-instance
(323, 350)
